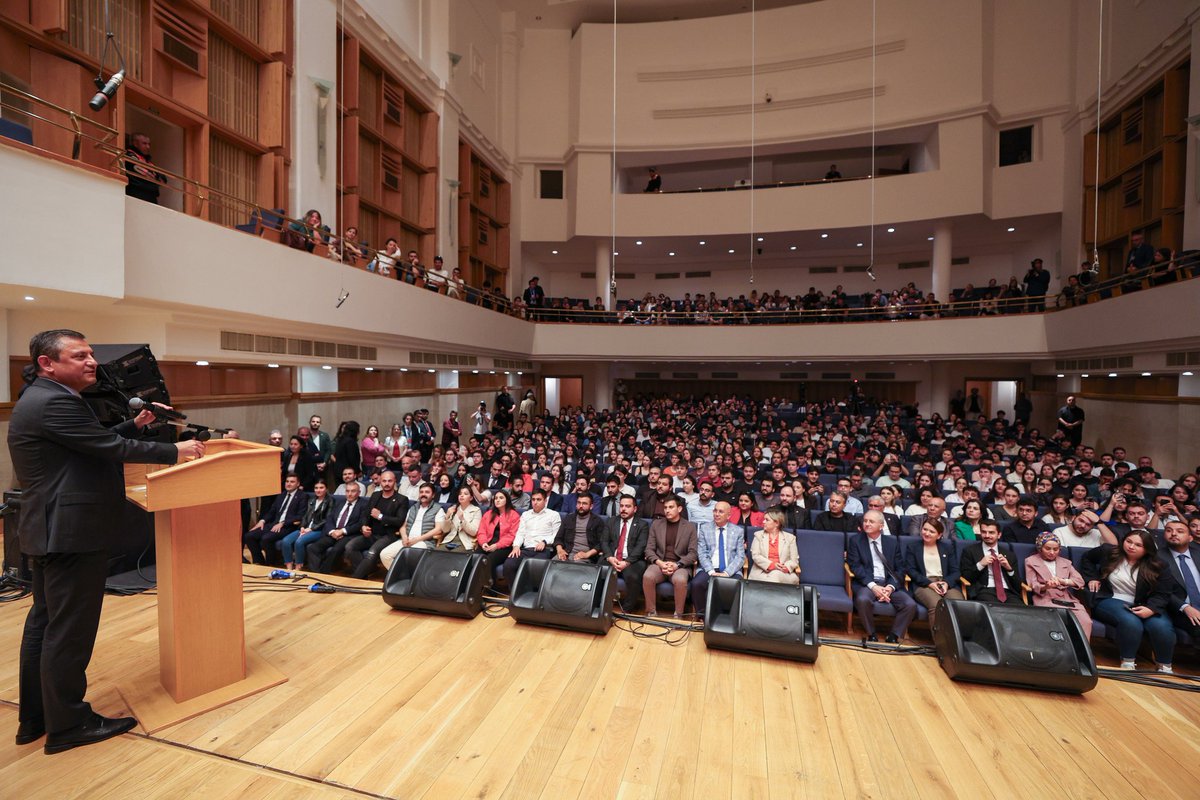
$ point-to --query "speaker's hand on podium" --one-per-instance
(189, 450)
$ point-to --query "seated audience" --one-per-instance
(1051, 577)
(671, 554)
(1132, 591)
(932, 568)
(773, 556)
(990, 568)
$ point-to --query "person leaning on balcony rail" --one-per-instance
(307, 234)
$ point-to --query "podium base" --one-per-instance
(155, 709)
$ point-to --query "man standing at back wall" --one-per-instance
(69, 467)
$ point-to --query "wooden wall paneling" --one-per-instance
(69, 85)
(1175, 100)
(272, 27)
(186, 379)
(49, 16)
(349, 73)
(427, 217)
(270, 104)
(1174, 162)
(429, 140)
(184, 75)
(350, 147)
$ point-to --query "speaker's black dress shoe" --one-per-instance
(893, 639)
(871, 638)
(96, 729)
(29, 732)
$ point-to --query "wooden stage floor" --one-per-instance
(388, 704)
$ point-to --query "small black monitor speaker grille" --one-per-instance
(439, 577)
(570, 588)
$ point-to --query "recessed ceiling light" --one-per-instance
(929, 238)
(404, 369)
(1112, 374)
(553, 252)
(326, 366)
(201, 363)
(507, 372)
(474, 372)
(639, 241)
(29, 297)
(824, 235)
(760, 238)
(454, 371)
(273, 366)
(731, 250)
(1010, 230)
(1060, 375)
(860, 244)
(1084, 375)
(1187, 374)
(493, 372)
(432, 370)
(1145, 374)
(615, 253)
(671, 253)
(793, 247)
(703, 242)
(369, 369)
(520, 373)
(891, 230)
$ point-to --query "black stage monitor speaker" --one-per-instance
(564, 594)
(1033, 647)
(125, 371)
(768, 619)
(16, 563)
(436, 581)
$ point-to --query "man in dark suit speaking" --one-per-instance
(69, 467)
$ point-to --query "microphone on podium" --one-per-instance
(137, 405)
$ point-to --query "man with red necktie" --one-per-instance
(623, 547)
(991, 568)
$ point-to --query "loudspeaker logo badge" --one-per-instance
(453, 573)
(1056, 636)
(794, 610)
(587, 587)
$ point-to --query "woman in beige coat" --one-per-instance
(773, 556)
(461, 523)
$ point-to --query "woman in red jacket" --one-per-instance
(746, 514)
(497, 530)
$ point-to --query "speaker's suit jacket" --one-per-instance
(686, 554)
(635, 539)
(968, 565)
(70, 469)
(858, 558)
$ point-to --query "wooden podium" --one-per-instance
(203, 661)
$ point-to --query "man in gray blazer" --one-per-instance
(69, 467)
(711, 538)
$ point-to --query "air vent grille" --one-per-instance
(665, 276)
(240, 342)
(913, 265)
(700, 274)
(855, 268)
(1190, 358)
(1106, 362)
(822, 270)
(881, 376)
(960, 261)
(511, 363)
(686, 376)
(443, 359)
(725, 376)
(793, 376)
(652, 376)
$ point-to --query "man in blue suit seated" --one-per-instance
(721, 548)
(877, 565)
(280, 519)
(344, 523)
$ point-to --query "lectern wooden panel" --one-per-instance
(198, 537)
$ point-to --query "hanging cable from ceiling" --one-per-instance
(1096, 184)
(753, 122)
(612, 250)
(874, 93)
